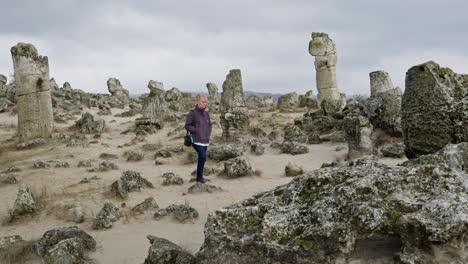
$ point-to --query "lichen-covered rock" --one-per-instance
(88, 125)
(8, 179)
(52, 237)
(8, 241)
(314, 138)
(307, 100)
(25, 203)
(149, 204)
(224, 151)
(256, 147)
(396, 150)
(237, 167)
(432, 109)
(335, 136)
(293, 169)
(67, 251)
(116, 89)
(85, 163)
(62, 164)
(180, 212)
(170, 178)
(409, 214)
(293, 133)
(105, 166)
(134, 155)
(288, 100)
(384, 111)
(380, 81)
(199, 187)
(293, 148)
(128, 182)
(163, 251)
(108, 156)
(106, 217)
(39, 164)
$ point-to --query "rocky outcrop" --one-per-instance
(35, 116)
(380, 81)
(434, 109)
(116, 89)
(324, 51)
(288, 100)
(384, 111)
(412, 213)
(234, 117)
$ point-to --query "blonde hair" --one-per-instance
(200, 96)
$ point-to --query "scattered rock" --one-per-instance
(32, 143)
(105, 166)
(203, 188)
(292, 170)
(171, 178)
(396, 150)
(85, 163)
(88, 125)
(107, 156)
(163, 251)
(39, 164)
(237, 167)
(128, 182)
(134, 155)
(62, 164)
(106, 217)
(25, 203)
(181, 213)
(225, 151)
(53, 237)
(149, 204)
(293, 148)
(293, 133)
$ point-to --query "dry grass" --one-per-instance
(19, 253)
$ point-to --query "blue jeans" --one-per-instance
(201, 151)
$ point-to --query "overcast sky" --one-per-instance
(186, 44)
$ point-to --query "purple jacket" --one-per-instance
(199, 124)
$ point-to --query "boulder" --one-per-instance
(384, 111)
(237, 167)
(288, 100)
(88, 125)
(106, 217)
(180, 212)
(293, 133)
(224, 151)
(163, 251)
(396, 150)
(293, 148)
(52, 237)
(149, 204)
(25, 203)
(293, 169)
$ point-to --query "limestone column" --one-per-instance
(234, 117)
(35, 116)
(380, 81)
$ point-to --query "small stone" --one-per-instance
(292, 170)
(149, 204)
(237, 167)
(106, 217)
(181, 213)
(162, 251)
(108, 156)
(134, 155)
(199, 187)
(24, 203)
(39, 164)
(171, 179)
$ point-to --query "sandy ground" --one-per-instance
(126, 241)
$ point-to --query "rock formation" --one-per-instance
(213, 96)
(288, 100)
(116, 89)
(154, 108)
(379, 82)
(35, 116)
(234, 117)
(360, 211)
(358, 132)
(434, 109)
(324, 51)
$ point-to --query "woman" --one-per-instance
(198, 123)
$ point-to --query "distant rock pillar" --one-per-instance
(324, 51)
(380, 81)
(35, 116)
(213, 98)
(234, 117)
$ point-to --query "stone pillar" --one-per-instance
(234, 117)
(324, 51)
(213, 98)
(380, 82)
(116, 89)
(35, 116)
(358, 132)
(154, 108)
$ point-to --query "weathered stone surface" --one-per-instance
(199, 187)
(108, 156)
(234, 117)
(52, 237)
(434, 108)
(408, 214)
(106, 217)
(384, 111)
(396, 150)
(358, 132)
(293, 169)
(293, 133)
(256, 146)
(380, 81)
(39, 164)
(6, 242)
(25, 203)
(170, 178)
(32, 143)
(307, 100)
(154, 106)
(163, 251)
(293, 148)
(149, 204)
(128, 182)
(288, 100)
(180, 212)
(105, 166)
(35, 116)
(324, 51)
(237, 167)
(89, 125)
(116, 89)
(69, 251)
(224, 151)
